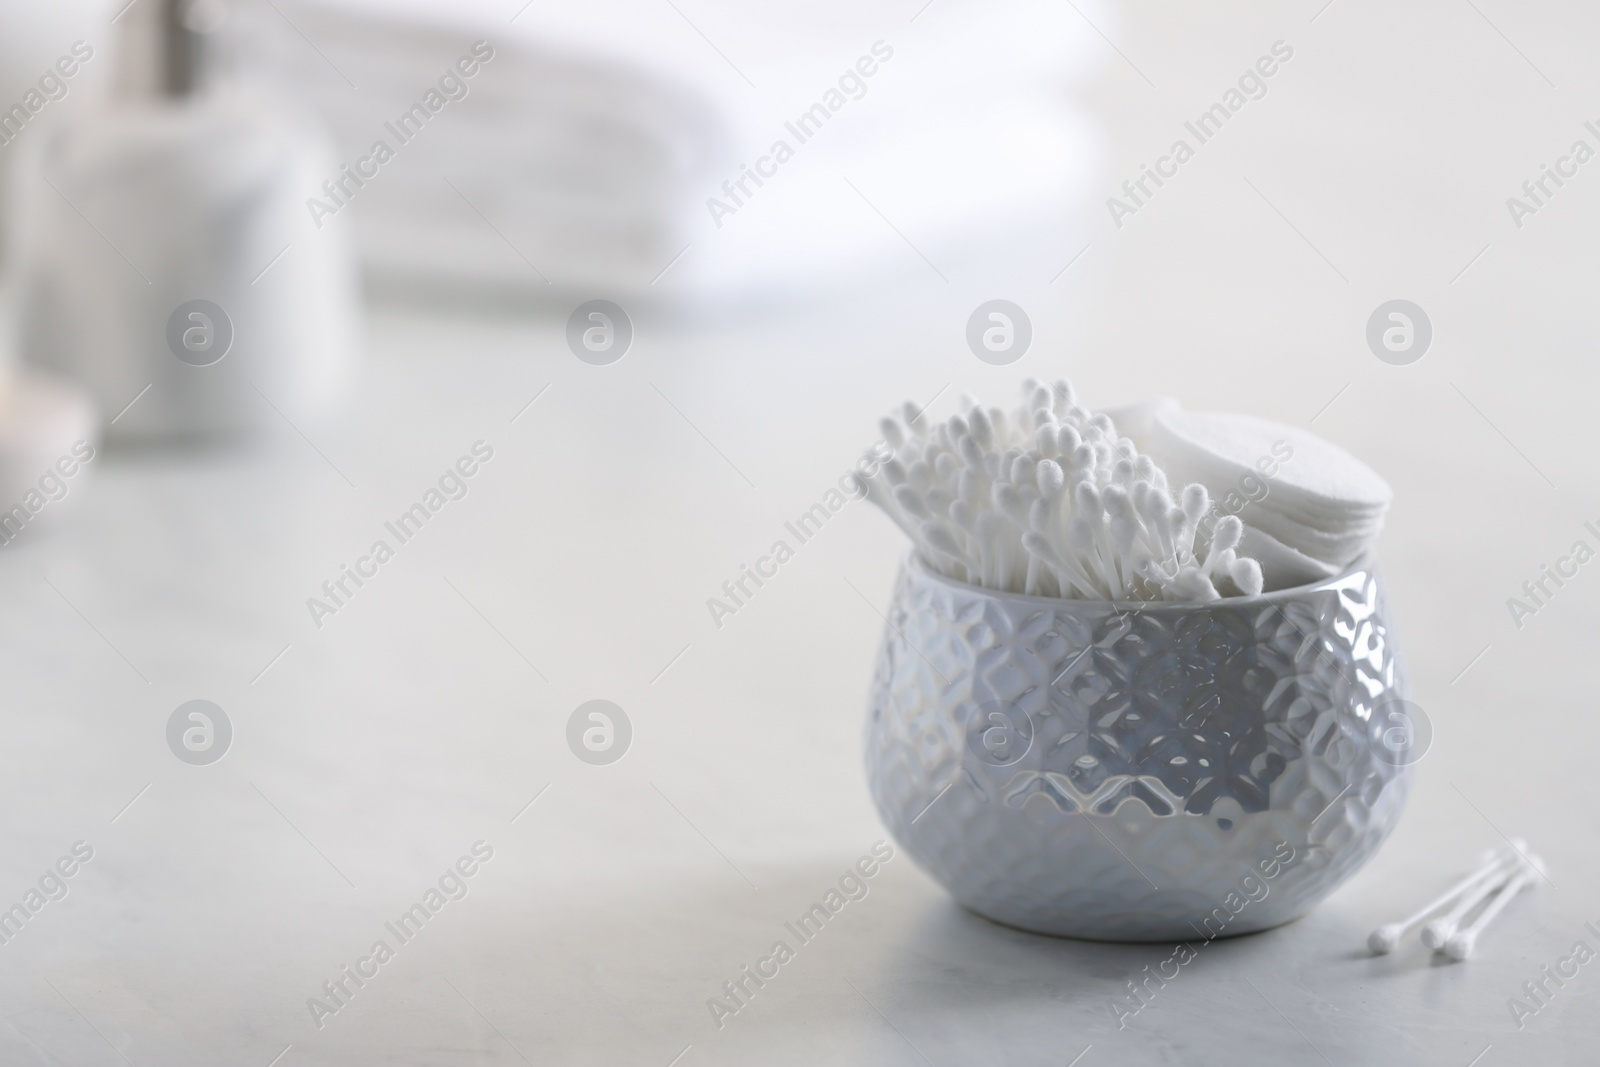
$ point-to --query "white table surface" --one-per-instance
(422, 718)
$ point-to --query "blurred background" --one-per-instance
(256, 339)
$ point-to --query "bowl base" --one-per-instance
(1141, 932)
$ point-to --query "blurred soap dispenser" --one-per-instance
(166, 258)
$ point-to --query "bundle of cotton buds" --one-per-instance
(1500, 876)
(1049, 500)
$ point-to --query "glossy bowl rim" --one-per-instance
(915, 562)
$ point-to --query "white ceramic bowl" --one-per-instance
(1131, 771)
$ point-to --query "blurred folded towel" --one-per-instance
(584, 157)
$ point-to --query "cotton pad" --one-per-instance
(1281, 566)
(1339, 549)
(1320, 475)
(1312, 507)
(1137, 420)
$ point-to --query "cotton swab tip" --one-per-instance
(1436, 933)
(1383, 940)
(1227, 534)
(1246, 574)
(911, 501)
(980, 427)
(1461, 946)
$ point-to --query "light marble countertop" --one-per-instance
(371, 753)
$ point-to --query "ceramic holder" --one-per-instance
(1139, 771)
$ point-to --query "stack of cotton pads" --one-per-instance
(1310, 509)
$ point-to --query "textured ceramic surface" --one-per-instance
(1138, 771)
